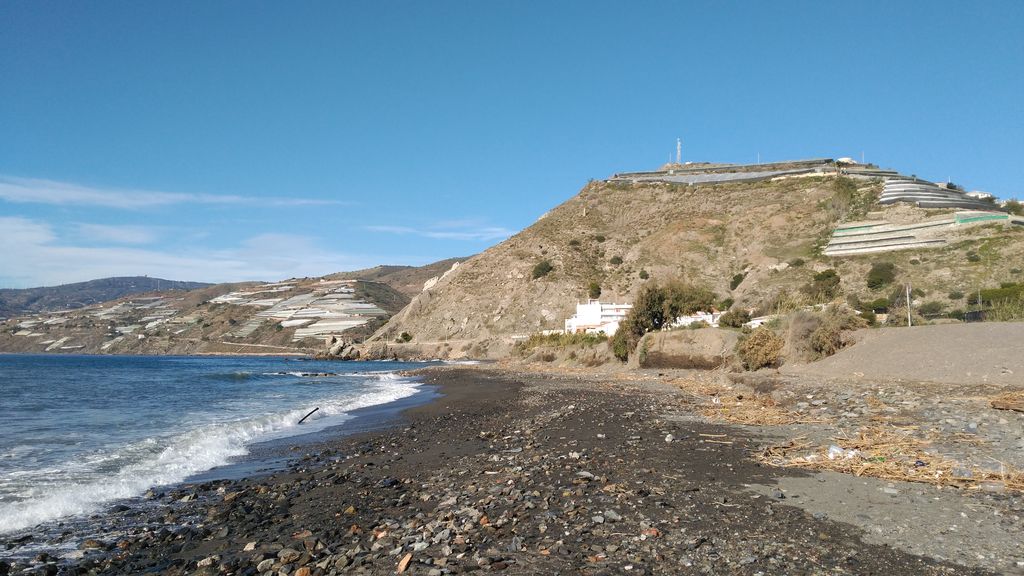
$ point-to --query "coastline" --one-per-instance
(521, 472)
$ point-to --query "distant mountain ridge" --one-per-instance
(18, 301)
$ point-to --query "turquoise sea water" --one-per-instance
(80, 432)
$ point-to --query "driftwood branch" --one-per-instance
(308, 415)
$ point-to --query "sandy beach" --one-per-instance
(532, 473)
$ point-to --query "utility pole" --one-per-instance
(910, 321)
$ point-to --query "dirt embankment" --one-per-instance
(982, 353)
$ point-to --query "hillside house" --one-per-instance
(710, 318)
(595, 317)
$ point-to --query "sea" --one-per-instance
(79, 434)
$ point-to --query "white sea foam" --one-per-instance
(87, 485)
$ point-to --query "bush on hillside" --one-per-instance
(736, 280)
(405, 337)
(616, 260)
(881, 275)
(812, 335)
(1014, 207)
(594, 290)
(761, 349)
(823, 286)
(644, 275)
(542, 269)
(898, 316)
(796, 262)
(869, 316)
(956, 295)
(931, 308)
(734, 318)
(828, 338)
(1008, 291)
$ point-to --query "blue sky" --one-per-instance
(226, 141)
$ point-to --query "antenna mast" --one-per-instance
(679, 150)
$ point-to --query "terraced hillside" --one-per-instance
(757, 238)
(294, 316)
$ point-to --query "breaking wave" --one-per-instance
(88, 484)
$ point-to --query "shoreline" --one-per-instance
(511, 471)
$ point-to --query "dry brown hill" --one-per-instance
(620, 234)
(408, 280)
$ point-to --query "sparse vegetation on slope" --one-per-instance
(762, 240)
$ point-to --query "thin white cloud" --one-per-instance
(117, 234)
(32, 255)
(39, 191)
(458, 232)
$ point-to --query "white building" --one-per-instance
(981, 195)
(595, 317)
(710, 318)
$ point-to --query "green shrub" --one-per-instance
(973, 257)
(594, 290)
(881, 274)
(560, 340)
(736, 280)
(542, 269)
(931, 308)
(823, 286)
(1014, 207)
(1006, 310)
(796, 262)
(734, 318)
(994, 295)
(914, 261)
(956, 295)
(644, 275)
(574, 242)
(957, 314)
(405, 337)
(599, 238)
(1015, 270)
(616, 260)
(726, 304)
(761, 349)
(870, 317)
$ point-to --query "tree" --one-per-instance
(655, 306)
(1014, 207)
(594, 290)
